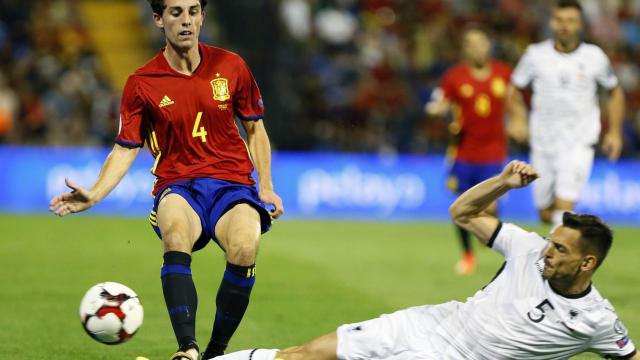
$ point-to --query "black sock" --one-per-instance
(231, 303)
(180, 295)
(464, 239)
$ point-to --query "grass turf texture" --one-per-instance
(311, 277)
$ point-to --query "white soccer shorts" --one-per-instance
(563, 174)
(404, 335)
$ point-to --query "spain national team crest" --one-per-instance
(498, 87)
(220, 88)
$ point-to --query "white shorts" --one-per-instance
(409, 334)
(563, 174)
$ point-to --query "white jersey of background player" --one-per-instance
(541, 305)
(565, 75)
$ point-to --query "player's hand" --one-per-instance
(518, 174)
(270, 197)
(612, 145)
(518, 131)
(436, 108)
(72, 202)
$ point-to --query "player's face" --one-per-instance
(476, 47)
(566, 24)
(181, 22)
(563, 256)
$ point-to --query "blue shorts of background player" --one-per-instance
(210, 199)
(463, 175)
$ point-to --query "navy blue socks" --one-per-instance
(180, 295)
(231, 303)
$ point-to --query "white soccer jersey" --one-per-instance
(517, 316)
(564, 109)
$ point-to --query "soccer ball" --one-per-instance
(111, 313)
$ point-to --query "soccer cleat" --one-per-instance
(466, 265)
(188, 351)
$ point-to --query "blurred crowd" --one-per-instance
(51, 87)
(337, 75)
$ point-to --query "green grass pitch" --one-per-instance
(311, 277)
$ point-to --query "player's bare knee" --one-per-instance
(242, 253)
(312, 352)
(175, 240)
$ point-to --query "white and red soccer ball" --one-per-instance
(111, 313)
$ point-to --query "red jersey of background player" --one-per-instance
(188, 122)
(480, 112)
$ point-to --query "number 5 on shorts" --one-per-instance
(199, 132)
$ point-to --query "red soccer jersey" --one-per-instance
(188, 122)
(480, 112)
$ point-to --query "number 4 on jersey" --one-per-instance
(201, 131)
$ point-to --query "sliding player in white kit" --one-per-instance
(565, 75)
(541, 304)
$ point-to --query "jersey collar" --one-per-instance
(573, 296)
(553, 46)
(166, 65)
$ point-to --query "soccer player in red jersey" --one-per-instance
(183, 103)
(475, 91)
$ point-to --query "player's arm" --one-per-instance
(468, 211)
(612, 140)
(113, 170)
(517, 112)
(260, 149)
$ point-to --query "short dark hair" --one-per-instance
(475, 26)
(158, 6)
(563, 4)
(595, 235)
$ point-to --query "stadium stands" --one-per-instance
(56, 91)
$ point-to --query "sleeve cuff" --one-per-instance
(129, 144)
(250, 118)
(520, 85)
(494, 235)
(611, 86)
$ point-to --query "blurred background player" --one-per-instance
(565, 75)
(474, 91)
(183, 104)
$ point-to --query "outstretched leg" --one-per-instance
(322, 348)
